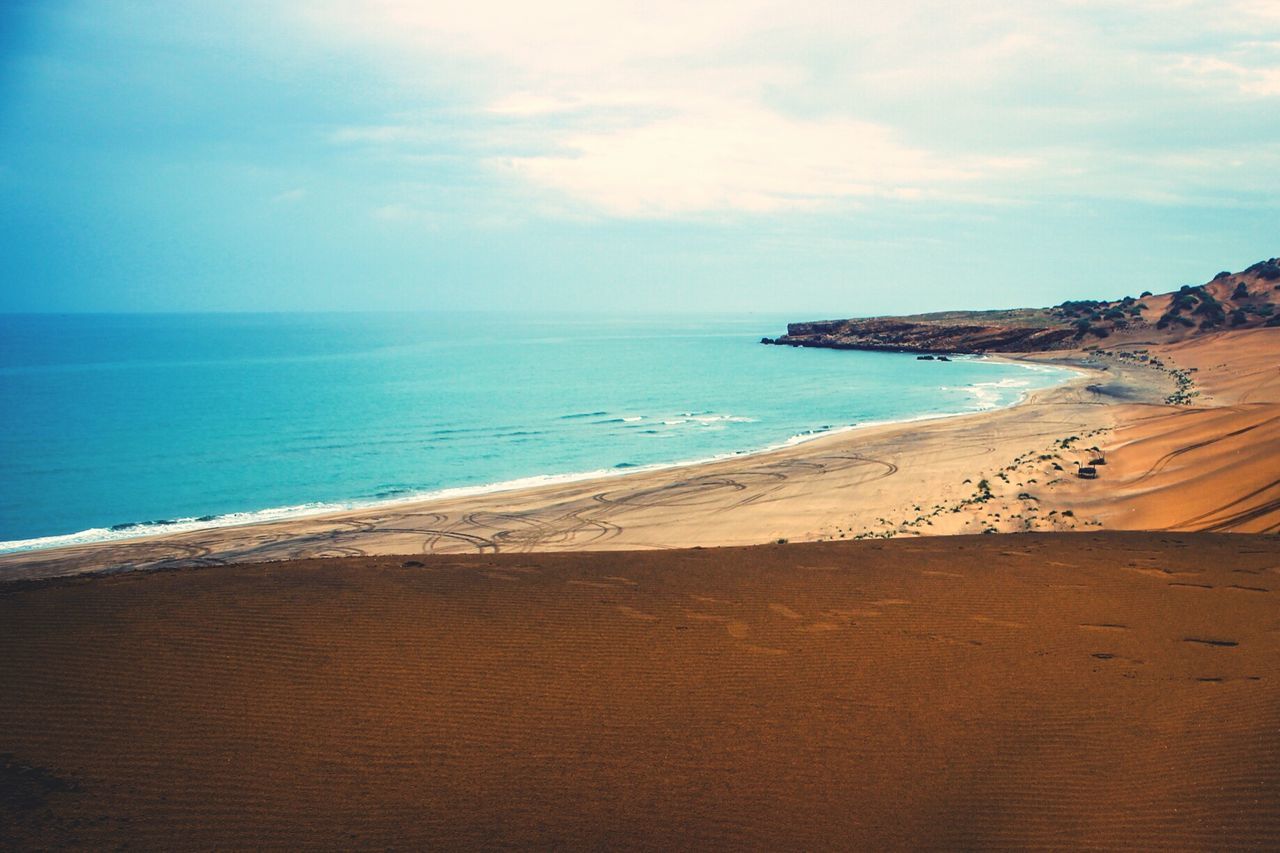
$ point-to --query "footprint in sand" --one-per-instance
(763, 650)
(1248, 588)
(1191, 585)
(784, 610)
(1205, 641)
(637, 614)
(736, 628)
(1157, 573)
(705, 617)
(1002, 623)
(853, 614)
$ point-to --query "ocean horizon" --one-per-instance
(120, 425)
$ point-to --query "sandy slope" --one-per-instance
(1214, 466)
(1114, 691)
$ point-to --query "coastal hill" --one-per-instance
(1246, 299)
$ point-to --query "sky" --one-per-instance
(804, 158)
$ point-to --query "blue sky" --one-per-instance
(813, 159)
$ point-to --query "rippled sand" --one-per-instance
(1113, 690)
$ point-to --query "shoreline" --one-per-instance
(291, 538)
(331, 509)
(1205, 462)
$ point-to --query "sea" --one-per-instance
(113, 426)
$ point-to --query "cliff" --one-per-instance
(1229, 301)
(906, 335)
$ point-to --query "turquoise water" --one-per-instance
(116, 425)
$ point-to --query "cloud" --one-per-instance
(735, 157)
(1254, 80)
(670, 109)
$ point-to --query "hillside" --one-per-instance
(1246, 299)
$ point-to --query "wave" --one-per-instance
(707, 419)
(134, 530)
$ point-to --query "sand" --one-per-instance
(1210, 465)
(1063, 691)
(1072, 687)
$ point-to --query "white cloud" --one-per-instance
(1257, 81)
(735, 157)
(667, 108)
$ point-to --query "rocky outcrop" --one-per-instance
(1230, 301)
(901, 335)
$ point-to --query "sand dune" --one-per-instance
(1113, 691)
(1213, 466)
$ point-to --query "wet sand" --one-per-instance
(1110, 691)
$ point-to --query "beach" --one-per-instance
(1204, 466)
(660, 660)
(640, 426)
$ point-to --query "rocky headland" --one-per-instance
(1241, 300)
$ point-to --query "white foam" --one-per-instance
(178, 525)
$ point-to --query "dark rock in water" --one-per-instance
(766, 340)
(943, 358)
(924, 358)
